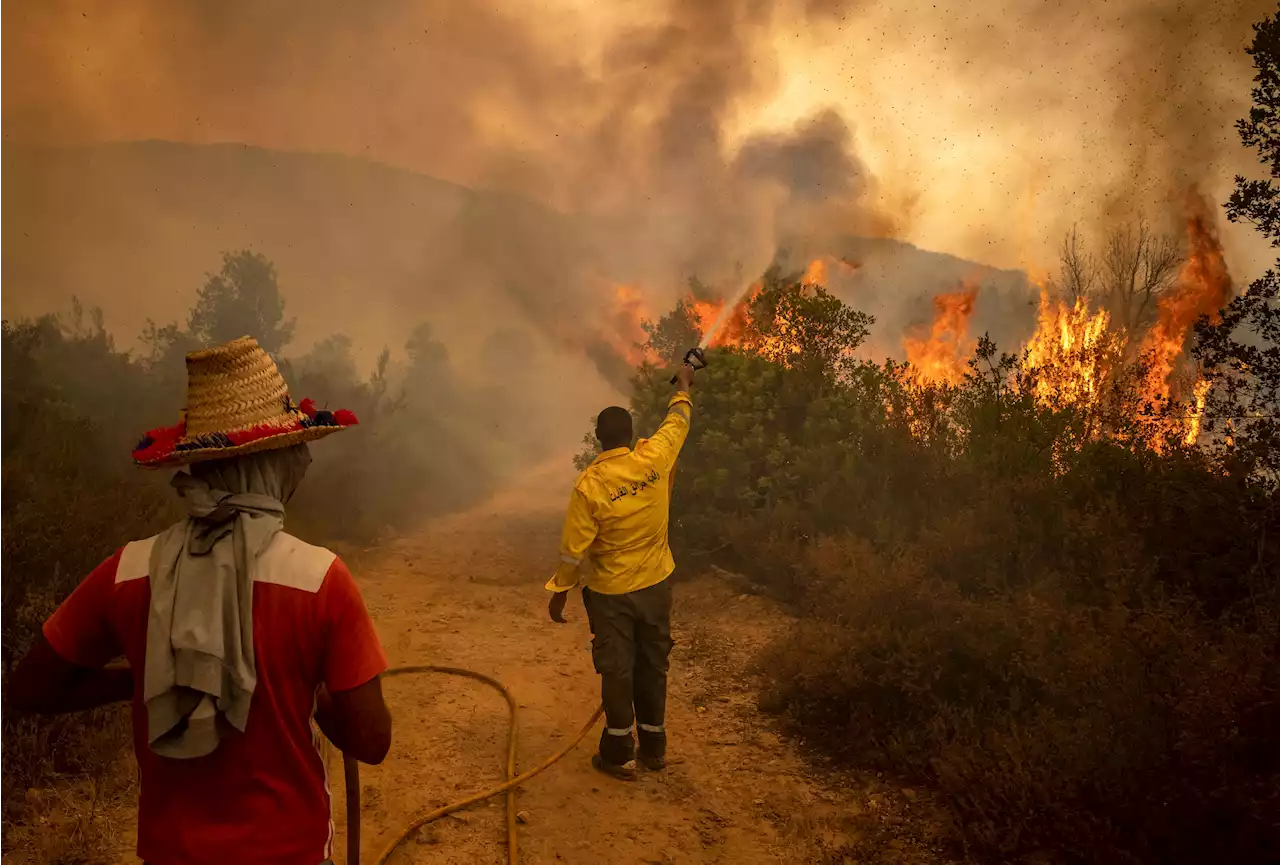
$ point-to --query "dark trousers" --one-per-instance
(631, 648)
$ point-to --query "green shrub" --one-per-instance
(1061, 616)
(1133, 728)
(68, 504)
(74, 407)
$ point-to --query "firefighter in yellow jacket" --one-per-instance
(615, 540)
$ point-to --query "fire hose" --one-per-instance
(351, 773)
(696, 358)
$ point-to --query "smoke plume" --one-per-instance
(623, 144)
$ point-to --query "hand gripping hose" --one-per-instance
(351, 771)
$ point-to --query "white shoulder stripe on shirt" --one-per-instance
(286, 561)
(290, 562)
(135, 560)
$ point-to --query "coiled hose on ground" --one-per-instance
(351, 772)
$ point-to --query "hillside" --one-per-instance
(362, 248)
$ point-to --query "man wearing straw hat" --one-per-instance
(237, 635)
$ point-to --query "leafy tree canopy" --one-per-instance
(242, 299)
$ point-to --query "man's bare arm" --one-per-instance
(357, 721)
(46, 683)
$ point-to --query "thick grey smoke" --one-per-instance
(630, 145)
(634, 143)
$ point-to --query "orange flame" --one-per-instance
(733, 328)
(623, 335)
(815, 273)
(1072, 350)
(1197, 414)
(782, 343)
(1203, 288)
(943, 355)
(705, 312)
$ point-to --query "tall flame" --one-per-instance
(1203, 287)
(732, 329)
(1075, 350)
(1197, 413)
(942, 355)
(1072, 351)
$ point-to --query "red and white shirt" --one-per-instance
(262, 796)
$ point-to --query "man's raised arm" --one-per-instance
(665, 444)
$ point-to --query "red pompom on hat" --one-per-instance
(237, 403)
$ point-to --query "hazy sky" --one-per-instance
(992, 129)
(980, 129)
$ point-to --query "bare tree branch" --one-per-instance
(1079, 270)
(1138, 267)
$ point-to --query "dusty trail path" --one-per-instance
(466, 591)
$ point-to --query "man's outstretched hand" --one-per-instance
(684, 377)
(555, 609)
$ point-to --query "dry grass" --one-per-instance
(820, 813)
(1121, 731)
(82, 821)
(69, 498)
(59, 780)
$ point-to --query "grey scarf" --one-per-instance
(200, 670)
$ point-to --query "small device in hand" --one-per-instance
(695, 358)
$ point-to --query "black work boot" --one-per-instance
(623, 772)
(653, 748)
(653, 762)
(617, 756)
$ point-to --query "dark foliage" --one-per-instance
(1069, 628)
(74, 407)
(68, 502)
(1242, 351)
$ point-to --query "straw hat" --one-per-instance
(237, 403)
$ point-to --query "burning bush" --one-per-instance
(1028, 587)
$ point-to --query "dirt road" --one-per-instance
(466, 592)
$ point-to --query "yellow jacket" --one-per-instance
(616, 526)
